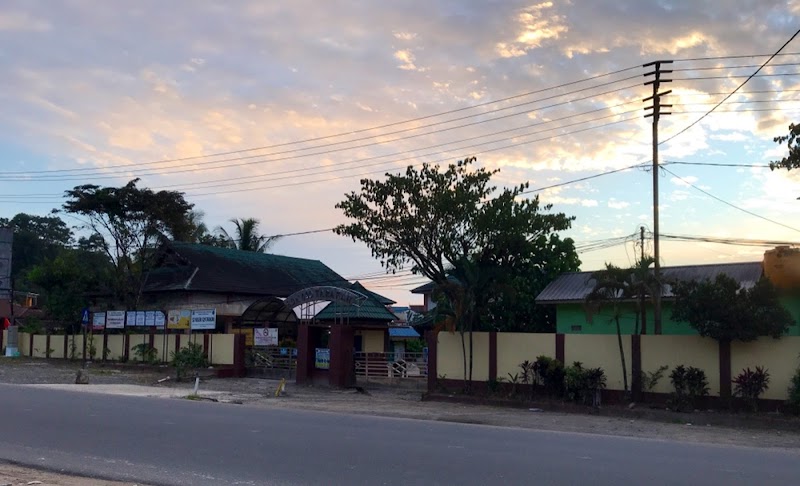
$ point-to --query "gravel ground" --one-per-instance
(13, 475)
(394, 401)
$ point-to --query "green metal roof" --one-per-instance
(372, 308)
(185, 266)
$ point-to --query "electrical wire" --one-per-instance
(165, 161)
(755, 73)
(730, 204)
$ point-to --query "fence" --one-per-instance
(219, 348)
(391, 365)
(498, 356)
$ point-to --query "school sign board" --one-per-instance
(115, 319)
(179, 319)
(204, 319)
(266, 337)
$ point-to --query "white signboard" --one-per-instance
(266, 337)
(141, 318)
(115, 319)
(204, 319)
(130, 318)
(98, 321)
(160, 319)
(150, 318)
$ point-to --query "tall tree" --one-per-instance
(792, 160)
(65, 281)
(132, 221)
(36, 239)
(247, 236)
(449, 226)
(725, 311)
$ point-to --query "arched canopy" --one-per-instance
(323, 294)
(270, 309)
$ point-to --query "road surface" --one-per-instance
(178, 442)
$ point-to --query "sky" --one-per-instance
(275, 110)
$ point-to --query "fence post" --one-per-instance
(725, 371)
(432, 340)
(239, 345)
(30, 346)
(46, 345)
(560, 355)
(493, 355)
(636, 367)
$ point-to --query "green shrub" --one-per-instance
(550, 374)
(190, 357)
(414, 345)
(650, 379)
(146, 353)
(750, 384)
(690, 384)
(793, 403)
(583, 385)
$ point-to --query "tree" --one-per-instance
(66, 279)
(247, 236)
(132, 222)
(722, 310)
(36, 238)
(449, 226)
(791, 161)
(620, 287)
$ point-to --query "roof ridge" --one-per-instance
(219, 249)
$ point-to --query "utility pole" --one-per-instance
(642, 306)
(656, 114)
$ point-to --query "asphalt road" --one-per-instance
(176, 442)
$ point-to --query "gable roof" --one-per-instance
(193, 267)
(574, 287)
(369, 310)
(430, 286)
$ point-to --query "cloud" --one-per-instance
(615, 204)
(684, 181)
(15, 21)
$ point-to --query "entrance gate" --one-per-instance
(340, 363)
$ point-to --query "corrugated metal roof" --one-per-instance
(573, 287)
(373, 308)
(403, 332)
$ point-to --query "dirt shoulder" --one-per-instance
(14, 475)
(405, 402)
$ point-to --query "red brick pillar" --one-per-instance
(636, 367)
(305, 354)
(560, 354)
(341, 349)
(493, 355)
(432, 341)
(725, 371)
(239, 349)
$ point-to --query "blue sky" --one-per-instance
(105, 87)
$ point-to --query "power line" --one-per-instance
(323, 153)
(735, 90)
(742, 66)
(730, 241)
(595, 176)
(529, 93)
(730, 204)
(716, 164)
(741, 56)
(10, 198)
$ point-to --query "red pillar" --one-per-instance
(636, 367)
(493, 355)
(432, 341)
(341, 346)
(305, 355)
(560, 354)
(725, 370)
(239, 350)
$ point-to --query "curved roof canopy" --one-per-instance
(270, 309)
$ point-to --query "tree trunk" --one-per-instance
(622, 356)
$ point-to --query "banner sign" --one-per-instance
(204, 319)
(179, 319)
(115, 319)
(323, 359)
(98, 321)
(130, 318)
(150, 318)
(266, 337)
(141, 318)
(160, 319)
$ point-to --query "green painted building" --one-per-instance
(569, 291)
